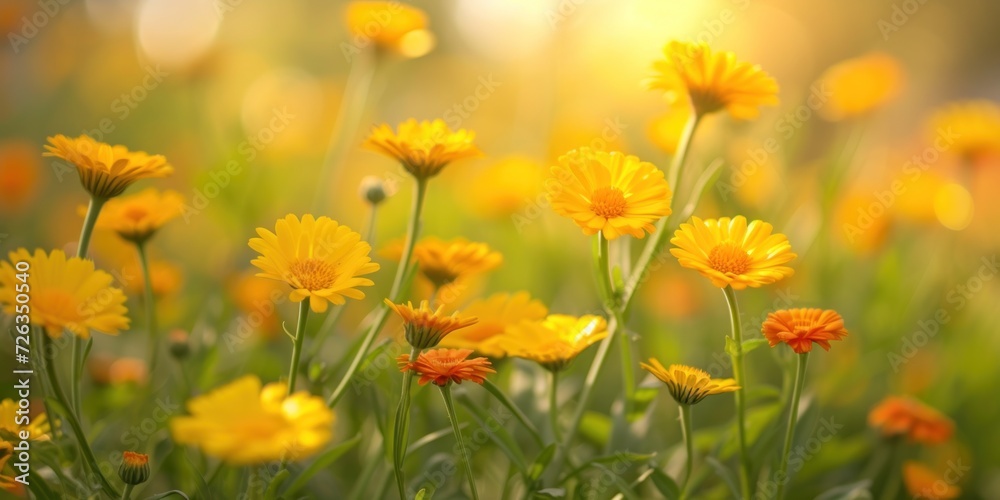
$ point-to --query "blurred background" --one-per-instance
(250, 99)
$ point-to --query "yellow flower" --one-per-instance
(503, 188)
(554, 341)
(37, 426)
(922, 482)
(688, 385)
(443, 262)
(860, 85)
(320, 259)
(969, 129)
(423, 148)
(166, 278)
(425, 328)
(105, 170)
(713, 80)
(731, 252)
(496, 314)
(137, 217)
(65, 293)
(243, 424)
(609, 192)
(6, 451)
(391, 26)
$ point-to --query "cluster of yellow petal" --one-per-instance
(106, 170)
(423, 148)
(425, 327)
(136, 217)
(496, 315)
(554, 341)
(688, 385)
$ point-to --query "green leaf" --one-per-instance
(550, 493)
(321, 463)
(167, 494)
(641, 399)
(543, 460)
(422, 495)
(751, 344)
(623, 487)
(434, 436)
(521, 417)
(758, 419)
(666, 485)
(608, 459)
(730, 346)
(727, 475)
(500, 436)
(852, 491)
(596, 428)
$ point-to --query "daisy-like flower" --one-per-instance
(611, 192)
(134, 468)
(860, 85)
(244, 424)
(423, 148)
(105, 170)
(137, 217)
(713, 80)
(443, 262)
(37, 427)
(391, 26)
(800, 328)
(688, 385)
(732, 252)
(320, 259)
(66, 293)
(969, 129)
(922, 482)
(424, 328)
(554, 341)
(905, 416)
(496, 314)
(443, 366)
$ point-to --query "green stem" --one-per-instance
(127, 494)
(890, 491)
(740, 395)
(324, 330)
(793, 415)
(370, 234)
(89, 220)
(521, 417)
(680, 156)
(554, 405)
(420, 190)
(81, 438)
(401, 428)
(685, 411)
(446, 394)
(300, 335)
(154, 340)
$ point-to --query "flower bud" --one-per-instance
(180, 345)
(373, 190)
(134, 468)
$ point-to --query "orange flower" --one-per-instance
(903, 415)
(922, 482)
(425, 327)
(442, 366)
(800, 328)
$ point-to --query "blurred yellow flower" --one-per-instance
(800, 328)
(972, 126)
(554, 341)
(37, 425)
(166, 278)
(666, 130)
(243, 424)
(443, 262)
(713, 80)
(128, 371)
(443, 366)
(505, 187)
(137, 217)
(731, 252)
(19, 168)
(320, 259)
(105, 170)
(688, 385)
(852, 213)
(496, 314)
(922, 482)
(423, 148)
(391, 26)
(424, 328)
(609, 192)
(257, 299)
(6, 451)
(65, 293)
(860, 85)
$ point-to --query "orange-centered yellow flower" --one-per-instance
(65, 293)
(732, 252)
(443, 366)
(713, 80)
(137, 217)
(923, 483)
(320, 259)
(612, 193)
(496, 314)
(391, 26)
(969, 129)
(554, 341)
(688, 385)
(443, 262)
(37, 425)
(105, 170)
(860, 85)
(244, 424)
(424, 328)
(800, 328)
(423, 148)
(905, 416)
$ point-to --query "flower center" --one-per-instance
(314, 274)
(136, 214)
(729, 258)
(608, 202)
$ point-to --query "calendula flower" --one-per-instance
(496, 314)
(922, 482)
(860, 85)
(443, 366)
(255, 298)
(134, 468)
(503, 188)
(244, 424)
(65, 293)
(37, 426)
(424, 328)
(969, 129)
(612, 193)
(905, 416)
(391, 26)
(443, 262)
(732, 252)
(320, 259)
(128, 371)
(800, 328)
(137, 217)
(713, 80)
(423, 148)
(6, 451)
(554, 341)
(105, 170)
(688, 385)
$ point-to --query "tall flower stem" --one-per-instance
(154, 339)
(736, 354)
(300, 334)
(446, 394)
(420, 191)
(793, 415)
(685, 416)
(554, 405)
(89, 220)
(127, 494)
(401, 428)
